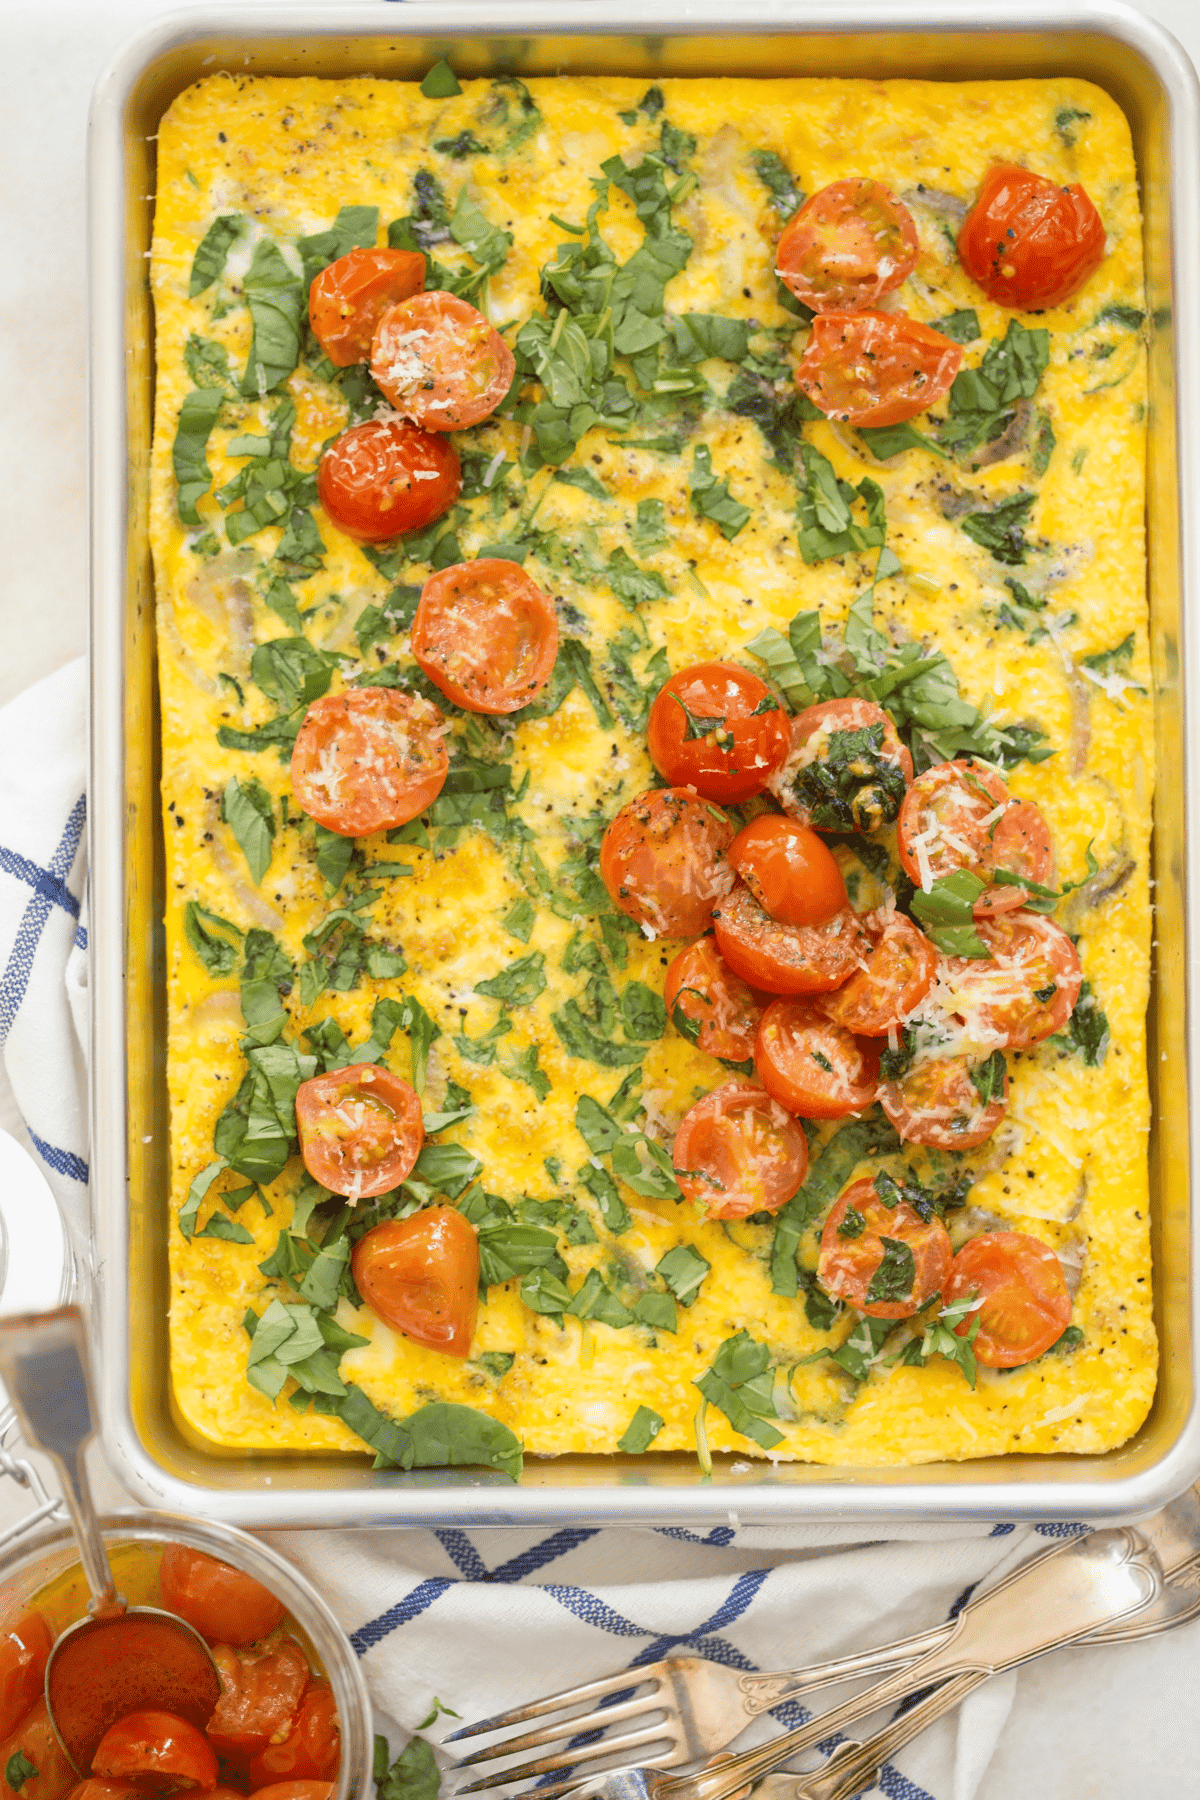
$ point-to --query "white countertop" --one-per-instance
(1108, 1723)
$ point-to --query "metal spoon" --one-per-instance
(121, 1658)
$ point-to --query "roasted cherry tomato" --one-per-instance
(295, 1790)
(421, 1276)
(847, 247)
(885, 1260)
(938, 1104)
(310, 1752)
(719, 729)
(348, 299)
(360, 1129)
(223, 1604)
(1026, 1306)
(875, 368)
(846, 769)
(813, 1068)
(899, 973)
(95, 1789)
(379, 479)
(440, 363)
(261, 1692)
(663, 861)
(369, 759)
(787, 959)
(737, 1151)
(1027, 241)
(161, 1751)
(711, 1006)
(791, 872)
(486, 635)
(1025, 991)
(25, 1646)
(960, 815)
(34, 1739)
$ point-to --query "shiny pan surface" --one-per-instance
(1152, 80)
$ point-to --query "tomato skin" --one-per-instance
(1037, 954)
(875, 368)
(421, 1276)
(486, 635)
(25, 1647)
(222, 1603)
(664, 863)
(384, 477)
(847, 1264)
(959, 796)
(311, 1752)
(295, 1790)
(1027, 242)
(787, 959)
(440, 363)
(377, 1151)
(793, 1034)
(93, 1788)
(162, 1750)
(34, 1737)
(849, 245)
(737, 1151)
(900, 972)
(389, 758)
(791, 872)
(1026, 1306)
(261, 1693)
(347, 300)
(936, 1104)
(821, 789)
(733, 761)
(722, 1007)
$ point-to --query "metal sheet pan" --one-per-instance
(1151, 78)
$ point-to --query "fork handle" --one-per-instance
(854, 1767)
(762, 1692)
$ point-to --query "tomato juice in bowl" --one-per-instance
(294, 1671)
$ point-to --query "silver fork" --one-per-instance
(969, 1639)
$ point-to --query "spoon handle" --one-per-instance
(44, 1366)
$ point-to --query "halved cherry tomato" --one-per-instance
(791, 872)
(35, 1740)
(158, 1750)
(846, 770)
(486, 635)
(379, 479)
(853, 1248)
(440, 363)
(848, 246)
(787, 959)
(369, 759)
(25, 1646)
(663, 861)
(1026, 990)
(421, 1276)
(875, 368)
(719, 729)
(95, 1789)
(737, 1151)
(899, 974)
(1027, 241)
(312, 1749)
(711, 1006)
(348, 299)
(960, 815)
(261, 1692)
(294, 1790)
(938, 1104)
(360, 1129)
(1026, 1306)
(224, 1604)
(815, 1069)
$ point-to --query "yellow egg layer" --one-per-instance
(1070, 1165)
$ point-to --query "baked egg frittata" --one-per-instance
(654, 468)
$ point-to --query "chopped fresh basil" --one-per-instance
(520, 919)
(701, 335)
(1129, 318)
(195, 1194)
(827, 524)
(852, 1224)
(207, 362)
(355, 228)
(854, 786)
(579, 1038)
(18, 1769)
(471, 228)
(422, 1030)
(193, 477)
(276, 299)
(585, 481)
(519, 984)
(545, 1290)
(946, 913)
(510, 1250)
(1111, 662)
(861, 1348)
(827, 1176)
(734, 1385)
(441, 83)
(988, 1078)
(683, 1269)
(292, 672)
(1041, 448)
(650, 531)
(942, 1339)
(1001, 530)
(895, 1277)
(207, 933)
(212, 250)
(645, 1166)
(981, 400)
(711, 498)
(640, 1432)
(524, 1067)
(595, 1300)
(886, 441)
(634, 586)
(642, 1012)
(1071, 1339)
(961, 326)
(438, 1436)
(227, 1229)
(786, 197)
(497, 1363)
(246, 808)
(1066, 119)
(1087, 1029)
(414, 1775)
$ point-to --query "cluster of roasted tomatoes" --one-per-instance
(273, 1734)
